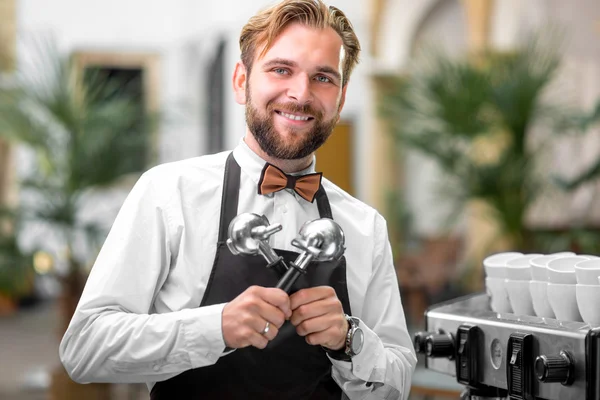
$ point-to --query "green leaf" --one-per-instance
(87, 131)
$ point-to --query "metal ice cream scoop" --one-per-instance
(320, 240)
(248, 234)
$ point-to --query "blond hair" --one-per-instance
(264, 27)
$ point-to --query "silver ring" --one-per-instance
(266, 330)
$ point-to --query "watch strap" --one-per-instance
(339, 355)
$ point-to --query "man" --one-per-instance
(168, 304)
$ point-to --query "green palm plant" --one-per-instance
(85, 132)
(16, 266)
(475, 120)
(581, 124)
(580, 236)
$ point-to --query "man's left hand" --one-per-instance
(318, 315)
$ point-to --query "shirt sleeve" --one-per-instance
(384, 367)
(114, 336)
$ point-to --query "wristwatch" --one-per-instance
(354, 341)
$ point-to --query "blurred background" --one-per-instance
(473, 126)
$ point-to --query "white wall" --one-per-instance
(407, 25)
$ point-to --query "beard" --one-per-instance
(273, 144)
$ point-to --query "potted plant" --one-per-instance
(85, 133)
(475, 121)
(580, 236)
(16, 267)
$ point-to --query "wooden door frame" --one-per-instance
(148, 62)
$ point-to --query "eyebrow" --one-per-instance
(282, 61)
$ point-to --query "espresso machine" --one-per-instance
(508, 356)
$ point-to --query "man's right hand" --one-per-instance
(245, 317)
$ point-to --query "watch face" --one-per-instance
(357, 341)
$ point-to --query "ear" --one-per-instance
(239, 83)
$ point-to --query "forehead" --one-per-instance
(307, 46)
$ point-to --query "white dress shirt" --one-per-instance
(139, 318)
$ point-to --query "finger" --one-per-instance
(259, 303)
(276, 297)
(330, 305)
(310, 295)
(328, 338)
(320, 324)
(271, 333)
(307, 312)
(260, 327)
(268, 312)
(261, 338)
(255, 312)
(258, 340)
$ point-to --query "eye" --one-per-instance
(323, 79)
(280, 71)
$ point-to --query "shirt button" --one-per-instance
(156, 367)
(284, 209)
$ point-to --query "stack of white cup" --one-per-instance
(564, 286)
(539, 283)
(495, 271)
(518, 279)
(587, 290)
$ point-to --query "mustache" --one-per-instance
(296, 108)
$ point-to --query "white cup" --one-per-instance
(588, 302)
(519, 268)
(539, 299)
(539, 265)
(519, 296)
(587, 272)
(562, 270)
(499, 297)
(495, 265)
(563, 300)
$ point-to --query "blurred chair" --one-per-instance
(425, 275)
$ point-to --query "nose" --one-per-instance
(300, 89)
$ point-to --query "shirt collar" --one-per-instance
(252, 164)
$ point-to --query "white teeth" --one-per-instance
(294, 117)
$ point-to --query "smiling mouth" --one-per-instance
(294, 117)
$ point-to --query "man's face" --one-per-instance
(294, 92)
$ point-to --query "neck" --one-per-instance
(287, 166)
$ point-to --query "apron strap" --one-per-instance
(229, 198)
(323, 203)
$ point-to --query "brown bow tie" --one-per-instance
(272, 179)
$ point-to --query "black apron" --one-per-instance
(288, 368)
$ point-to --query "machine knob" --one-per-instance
(439, 345)
(555, 368)
(419, 341)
